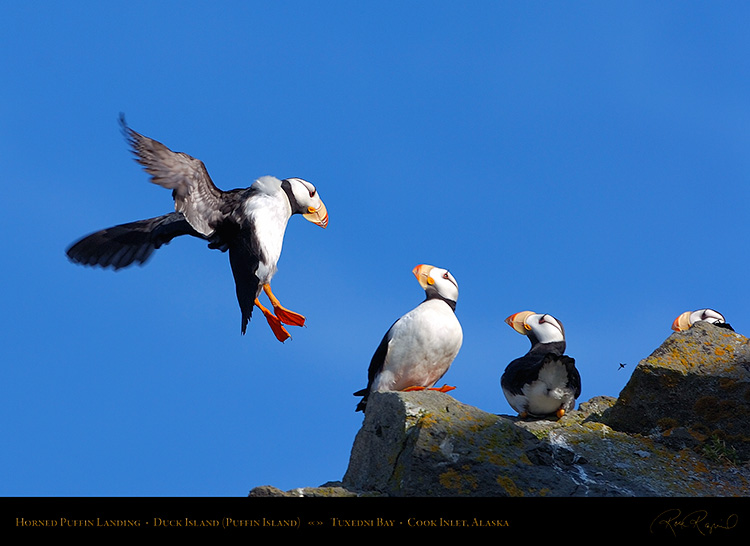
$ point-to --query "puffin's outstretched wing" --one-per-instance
(194, 192)
(125, 244)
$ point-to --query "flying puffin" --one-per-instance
(544, 381)
(688, 318)
(420, 346)
(249, 223)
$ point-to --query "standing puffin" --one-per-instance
(249, 223)
(688, 318)
(420, 346)
(544, 381)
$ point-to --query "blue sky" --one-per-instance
(584, 159)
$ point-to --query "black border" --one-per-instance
(571, 518)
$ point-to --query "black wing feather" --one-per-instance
(574, 378)
(525, 370)
(244, 259)
(125, 244)
(376, 365)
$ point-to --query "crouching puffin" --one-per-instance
(544, 381)
(249, 223)
(420, 346)
(688, 318)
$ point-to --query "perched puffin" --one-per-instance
(420, 346)
(249, 223)
(544, 381)
(688, 318)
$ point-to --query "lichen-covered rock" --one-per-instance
(694, 390)
(429, 444)
(680, 428)
(325, 490)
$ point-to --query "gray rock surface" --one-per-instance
(695, 386)
(679, 428)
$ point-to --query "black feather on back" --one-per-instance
(725, 325)
(574, 378)
(525, 369)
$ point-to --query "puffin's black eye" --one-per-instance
(312, 193)
(445, 275)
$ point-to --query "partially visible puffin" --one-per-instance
(249, 223)
(544, 381)
(688, 318)
(420, 346)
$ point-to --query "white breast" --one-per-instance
(423, 344)
(269, 215)
(549, 392)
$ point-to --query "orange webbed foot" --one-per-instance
(278, 329)
(444, 388)
(285, 315)
(273, 321)
(289, 317)
(560, 413)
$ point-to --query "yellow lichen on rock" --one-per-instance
(510, 486)
(462, 483)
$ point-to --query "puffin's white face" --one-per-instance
(437, 279)
(688, 318)
(546, 328)
(307, 197)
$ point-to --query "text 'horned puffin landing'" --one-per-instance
(249, 223)
(544, 381)
(420, 346)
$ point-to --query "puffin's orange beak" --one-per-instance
(682, 322)
(422, 273)
(517, 321)
(318, 216)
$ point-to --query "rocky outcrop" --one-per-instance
(693, 390)
(679, 428)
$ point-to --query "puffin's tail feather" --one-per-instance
(125, 244)
(362, 403)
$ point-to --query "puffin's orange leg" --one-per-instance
(444, 388)
(285, 315)
(278, 329)
(560, 413)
